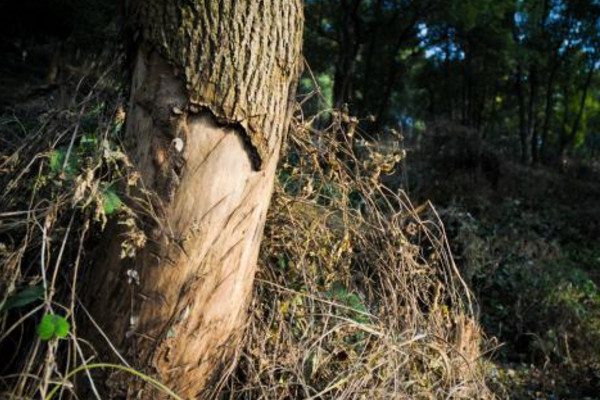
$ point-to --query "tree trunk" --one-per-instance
(211, 101)
(522, 118)
(349, 46)
(568, 138)
(392, 75)
(548, 110)
(532, 119)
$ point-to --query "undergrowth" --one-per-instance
(357, 293)
(63, 176)
(528, 249)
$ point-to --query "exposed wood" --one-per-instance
(212, 96)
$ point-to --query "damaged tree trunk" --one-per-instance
(212, 96)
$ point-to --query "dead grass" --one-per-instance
(357, 295)
(60, 166)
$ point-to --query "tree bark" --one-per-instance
(212, 96)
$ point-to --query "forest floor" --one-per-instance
(528, 246)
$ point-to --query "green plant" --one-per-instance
(24, 297)
(339, 293)
(111, 201)
(58, 165)
(53, 326)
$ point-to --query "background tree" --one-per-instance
(497, 67)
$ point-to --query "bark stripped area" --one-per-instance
(212, 95)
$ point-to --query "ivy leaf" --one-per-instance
(53, 325)
(354, 302)
(57, 160)
(88, 141)
(45, 329)
(24, 297)
(357, 305)
(282, 262)
(61, 328)
(339, 291)
(111, 201)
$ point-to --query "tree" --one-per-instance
(211, 100)
(366, 46)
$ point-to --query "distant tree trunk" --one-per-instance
(470, 88)
(372, 33)
(548, 110)
(447, 74)
(568, 138)
(532, 119)
(564, 132)
(464, 95)
(349, 46)
(481, 120)
(212, 95)
(393, 69)
(522, 118)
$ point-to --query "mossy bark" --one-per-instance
(212, 97)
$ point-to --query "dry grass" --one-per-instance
(357, 295)
(59, 160)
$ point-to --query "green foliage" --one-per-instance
(87, 157)
(324, 86)
(538, 297)
(356, 310)
(24, 297)
(57, 162)
(53, 326)
(561, 303)
(111, 201)
(405, 60)
(340, 294)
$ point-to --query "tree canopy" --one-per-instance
(526, 70)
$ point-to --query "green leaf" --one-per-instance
(45, 329)
(62, 327)
(354, 302)
(339, 291)
(282, 262)
(53, 325)
(88, 140)
(24, 297)
(57, 160)
(111, 202)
